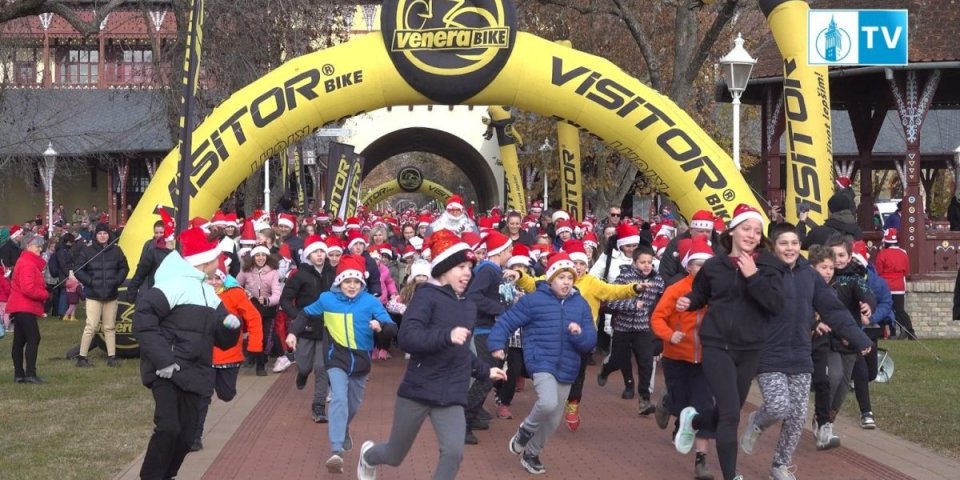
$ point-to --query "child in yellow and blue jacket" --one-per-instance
(351, 317)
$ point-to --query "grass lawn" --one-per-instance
(921, 403)
(83, 424)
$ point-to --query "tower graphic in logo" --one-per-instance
(833, 43)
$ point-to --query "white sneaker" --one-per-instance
(783, 472)
(364, 470)
(281, 364)
(750, 435)
(686, 434)
(826, 440)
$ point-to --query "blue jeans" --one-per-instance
(346, 396)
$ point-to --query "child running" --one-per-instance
(436, 329)
(785, 363)
(744, 291)
(557, 328)
(351, 317)
(682, 353)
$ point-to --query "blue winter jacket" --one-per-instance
(548, 346)
(438, 372)
(788, 343)
(883, 313)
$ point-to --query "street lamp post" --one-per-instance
(546, 147)
(50, 161)
(735, 69)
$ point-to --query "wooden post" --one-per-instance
(45, 20)
(772, 126)
(111, 207)
(866, 119)
(912, 106)
(124, 173)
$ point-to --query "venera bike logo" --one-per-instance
(431, 42)
(410, 179)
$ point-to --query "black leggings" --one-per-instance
(729, 373)
(576, 390)
(26, 344)
(640, 344)
(865, 371)
(900, 313)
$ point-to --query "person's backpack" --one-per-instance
(54, 265)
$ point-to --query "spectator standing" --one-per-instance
(10, 248)
(104, 269)
(893, 265)
(27, 294)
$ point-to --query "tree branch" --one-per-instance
(13, 10)
(639, 36)
(713, 33)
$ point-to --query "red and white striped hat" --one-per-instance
(312, 244)
(575, 251)
(496, 243)
(627, 235)
(557, 263)
(195, 247)
(702, 220)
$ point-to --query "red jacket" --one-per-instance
(28, 290)
(4, 285)
(236, 302)
(892, 265)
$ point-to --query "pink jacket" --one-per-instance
(387, 286)
(4, 285)
(262, 283)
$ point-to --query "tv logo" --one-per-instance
(857, 37)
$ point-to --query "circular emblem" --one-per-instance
(433, 42)
(729, 195)
(912, 199)
(410, 179)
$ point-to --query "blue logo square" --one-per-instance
(883, 37)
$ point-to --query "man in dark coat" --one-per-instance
(701, 225)
(841, 220)
(177, 324)
(10, 250)
(104, 270)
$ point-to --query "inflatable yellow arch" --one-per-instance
(394, 187)
(448, 53)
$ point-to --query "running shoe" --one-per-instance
(750, 434)
(519, 440)
(701, 470)
(532, 464)
(335, 463)
(683, 442)
(281, 364)
(364, 470)
(662, 415)
(783, 472)
(646, 407)
(867, 422)
(503, 411)
(572, 415)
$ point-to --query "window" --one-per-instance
(135, 66)
(79, 67)
(25, 64)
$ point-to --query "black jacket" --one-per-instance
(150, 259)
(106, 268)
(295, 243)
(670, 268)
(373, 275)
(738, 308)
(438, 372)
(787, 347)
(953, 214)
(66, 260)
(9, 253)
(302, 289)
(852, 287)
(484, 292)
(818, 235)
(185, 335)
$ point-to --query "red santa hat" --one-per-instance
(195, 247)
(15, 232)
(719, 225)
(353, 223)
(667, 227)
(536, 207)
(333, 245)
(660, 244)
(520, 256)
(485, 224)
(221, 272)
(219, 219)
(284, 251)
(247, 235)
(200, 222)
(473, 240)
(575, 251)
(323, 216)
(338, 225)
(745, 212)
(408, 252)
(354, 236)
(860, 252)
(563, 225)
(312, 244)
(627, 235)
(497, 243)
(351, 266)
(890, 236)
(232, 220)
(260, 248)
(455, 202)
(702, 220)
(385, 250)
(590, 240)
(448, 251)
(559, 262)
(559, 214)
(689, 249)
(169, 227)
(287, 220)
(425, 219)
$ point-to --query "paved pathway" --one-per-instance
(267, 433)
